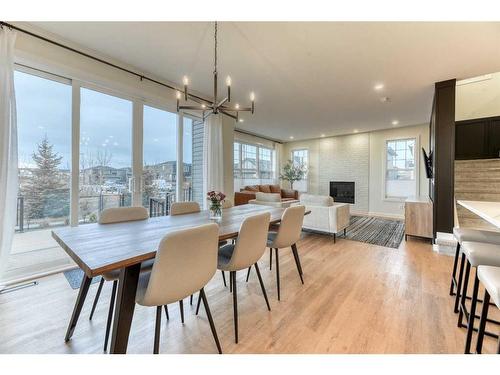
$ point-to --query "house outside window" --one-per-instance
(400, 171)
(253, 165)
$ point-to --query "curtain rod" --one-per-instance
(142, 77)
(257, 135)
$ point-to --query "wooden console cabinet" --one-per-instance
(418, 218)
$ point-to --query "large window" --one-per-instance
(55, 113)
(159, 176)
(400, 175)
(44, 160)
(253, 165)
(105, 153)
(301, 157)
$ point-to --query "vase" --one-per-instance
(216, 211)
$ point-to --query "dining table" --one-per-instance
(99, 248)
(489, 211)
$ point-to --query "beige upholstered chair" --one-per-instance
(287, 236)
(110, 216)
(185, 262)
(248, 249)
(181, 208)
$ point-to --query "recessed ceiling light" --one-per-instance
(355, 130)
(241, 120)
(395, 122)
(291, 137)
(378, 87)
(385, 99)
(322, 136)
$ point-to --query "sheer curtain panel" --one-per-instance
(8, 147)
(213, 173)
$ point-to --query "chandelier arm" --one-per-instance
(229, 114)
(194, 107)
(221, 103)
(232, 109)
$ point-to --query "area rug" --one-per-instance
(75, 277)
(375, 230)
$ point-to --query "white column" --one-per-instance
(180, 157)
(75, 153)
(137, 152)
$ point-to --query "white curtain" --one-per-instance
(8, 147)
(213, 163)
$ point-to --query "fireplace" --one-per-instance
(342, 191)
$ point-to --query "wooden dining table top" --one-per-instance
(99, 248)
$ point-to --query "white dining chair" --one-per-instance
(185, 262)
(111, 216)
(288, 235)
(248, 249)
(181, 208)
(184, 208)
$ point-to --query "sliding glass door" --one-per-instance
(44, 160)
(125, 153)
(159, 174)
(105, 178)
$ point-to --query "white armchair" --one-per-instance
(326, 215)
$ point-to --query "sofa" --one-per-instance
(326, 215)
(248, 193)
(271, 199)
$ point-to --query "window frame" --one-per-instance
(306, 177)
(258, 147)
(416, 139)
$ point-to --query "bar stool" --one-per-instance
(490, 278)
(474, 254)
(467, 234)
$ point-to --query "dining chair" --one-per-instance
(185, 262)
(110, 216)
(181, 208)
(248, 249)
(288, 235)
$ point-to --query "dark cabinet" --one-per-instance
(477, 139)
(494, 139)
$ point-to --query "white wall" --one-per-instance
(346, 158)
(478, 97)
(359, 158)
(378, 204)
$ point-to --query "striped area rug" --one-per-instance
(375, 230)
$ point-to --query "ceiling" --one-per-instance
(310, 78)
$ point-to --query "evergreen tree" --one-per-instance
(45, 180)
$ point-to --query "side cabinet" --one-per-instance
(418, 218)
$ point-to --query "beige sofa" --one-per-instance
(271, 199)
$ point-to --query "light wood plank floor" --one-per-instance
(357, 298)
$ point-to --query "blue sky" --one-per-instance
(44, 108)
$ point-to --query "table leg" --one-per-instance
(124, 310)
(82, 294)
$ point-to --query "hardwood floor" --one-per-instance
(357, 298)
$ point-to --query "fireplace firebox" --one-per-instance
(342, 191)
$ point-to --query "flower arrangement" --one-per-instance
(216, 198)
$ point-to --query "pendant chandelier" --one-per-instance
(215, 106)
